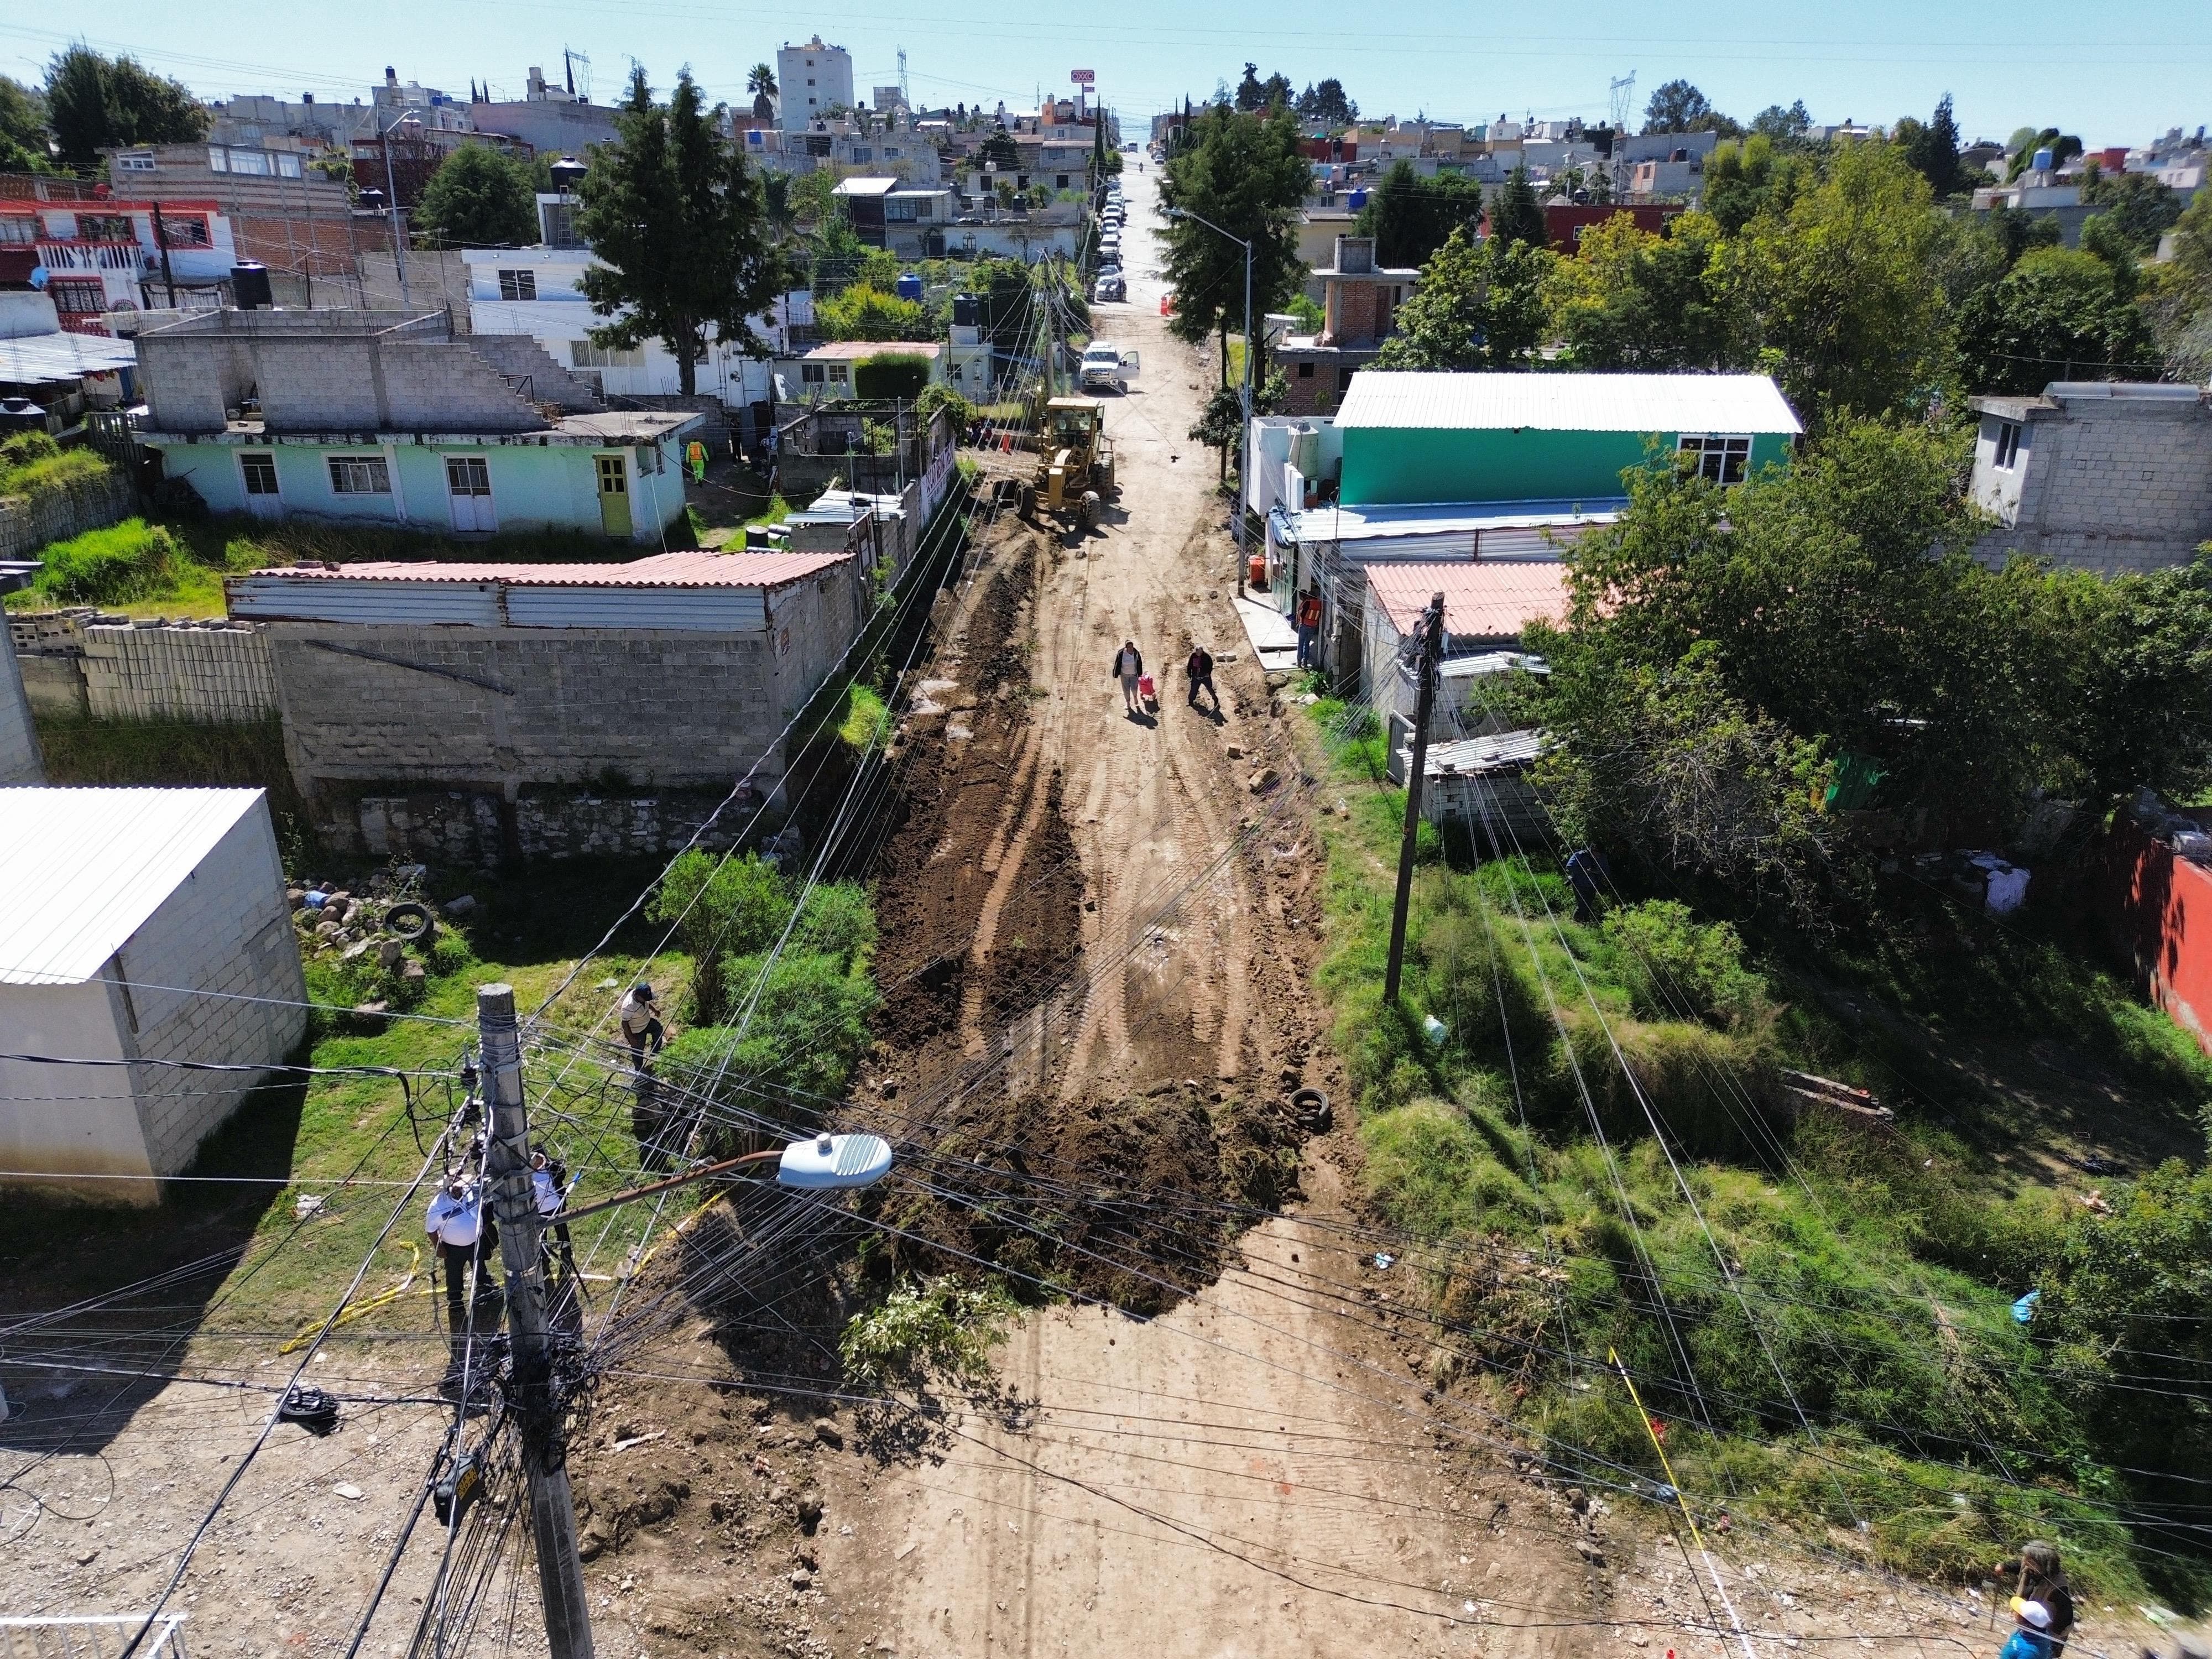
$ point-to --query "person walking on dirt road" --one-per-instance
(1199, 668)
(1129, 667)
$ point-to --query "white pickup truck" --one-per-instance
(1106, 364)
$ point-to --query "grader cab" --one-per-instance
(1075, 462)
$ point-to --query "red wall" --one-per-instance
(2160, 909)
(1564, 226)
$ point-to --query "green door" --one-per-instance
(614, 497)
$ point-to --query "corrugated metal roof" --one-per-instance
(1394, 521)
(1481, 600)
(32, 359)
(687, 569)
(87, 868)
(853, 351)
(1502, 751)
(1567, 402)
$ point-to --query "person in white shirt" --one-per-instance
(455, 1221)
(641, 1021)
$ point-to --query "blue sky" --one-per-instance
(2116, 71)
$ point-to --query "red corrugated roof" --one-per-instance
(1481, 601)
(690, 569)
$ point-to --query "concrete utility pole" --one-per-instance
(545, 1451)
(1432, 651)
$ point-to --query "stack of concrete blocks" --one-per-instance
(461, 829)
(218, 671)
(2115, 478)
(19, 761)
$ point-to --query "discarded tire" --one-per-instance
(410, 922)
(1312, 1107)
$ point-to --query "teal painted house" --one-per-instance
(389, 418)
(1433, 438)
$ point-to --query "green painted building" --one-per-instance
(1430, 439)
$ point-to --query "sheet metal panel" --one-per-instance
(682, 609)
(1568, 402)
(336, 599)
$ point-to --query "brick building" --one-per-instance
(146, 926)
(1359, 302)
(2095, 475)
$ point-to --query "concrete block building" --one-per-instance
(1359, 303)
(144, 927)
(2110, 476)
(391, 418)
(676, 672)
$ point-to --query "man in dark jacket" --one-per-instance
(1200, 669)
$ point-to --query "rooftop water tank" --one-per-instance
(1356, 200)
(967, 310)
(2041, 162)
(909, 287)
(249, 286)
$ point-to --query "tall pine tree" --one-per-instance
(678, 225)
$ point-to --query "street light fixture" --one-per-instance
(1244, 391)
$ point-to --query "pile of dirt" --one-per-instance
(1040, 926)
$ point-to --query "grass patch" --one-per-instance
(33, 463)
(137, 753)
(1874, 1271)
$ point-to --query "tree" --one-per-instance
(675, 220)
(999, 147)
(1775, 123)
(1932, 150)
(2064, 147)
(2059, 314)
(1221, 421)
(1515, 216)
(2139, 207)
(1747, 178)
(1479, 306)
(479, 199)
(1248, 177)
(719, 906)
(864, 311)
(760, 80)
(1324, 103)
(96, 103)
(1633, 301)
(1840, 285)
(23, 128)
(1410, 216)
(1253, 95)
(1678, 106)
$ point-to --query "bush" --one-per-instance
(33, 463)
(1673, 963)
(891, 376)
(807, 1031)
(920, 1334)
(132, 560)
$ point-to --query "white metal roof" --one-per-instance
(1567, 402)
(36, 359)
(86, 868)
(1393, 520)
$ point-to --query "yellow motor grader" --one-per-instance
(1075, 462)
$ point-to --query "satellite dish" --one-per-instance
(833, 1163)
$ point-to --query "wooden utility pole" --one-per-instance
(1431, 631)
(545, 1449)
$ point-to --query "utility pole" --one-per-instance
(544, 1450)
(1432, 650)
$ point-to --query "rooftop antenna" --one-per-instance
(906, 91)
(1621, 93)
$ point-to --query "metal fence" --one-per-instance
(94, 1636)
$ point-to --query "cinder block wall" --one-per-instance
(2113, 486)
(178, 673)
(665, 709)
(214, 975)
(19, 761)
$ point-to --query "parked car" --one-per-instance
(1109, 290)
(1105, 364)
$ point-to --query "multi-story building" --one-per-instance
(122, 255)
(813, 79)
(1359, 302)
(284, 212)
(2096, 476)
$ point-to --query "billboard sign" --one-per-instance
(1083, 77)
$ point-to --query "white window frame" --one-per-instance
(359, 475)
(252, 461)
(1723, 458)
(582, 354)
(518, 284)
(467, 475)
(2006, 455)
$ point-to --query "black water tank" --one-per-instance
(968, 311)
(567, 173)
(249, 286)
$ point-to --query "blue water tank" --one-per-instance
(2042, 161)
(909, 287)
(1356, 200)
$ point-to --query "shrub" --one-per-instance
(900, 375)
(132, 560)
(33, 463)
(920, 1335)
(1672, 963)
(718, 906)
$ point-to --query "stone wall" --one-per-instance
(482, 830)
(27, 523)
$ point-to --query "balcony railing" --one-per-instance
(92, 256)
